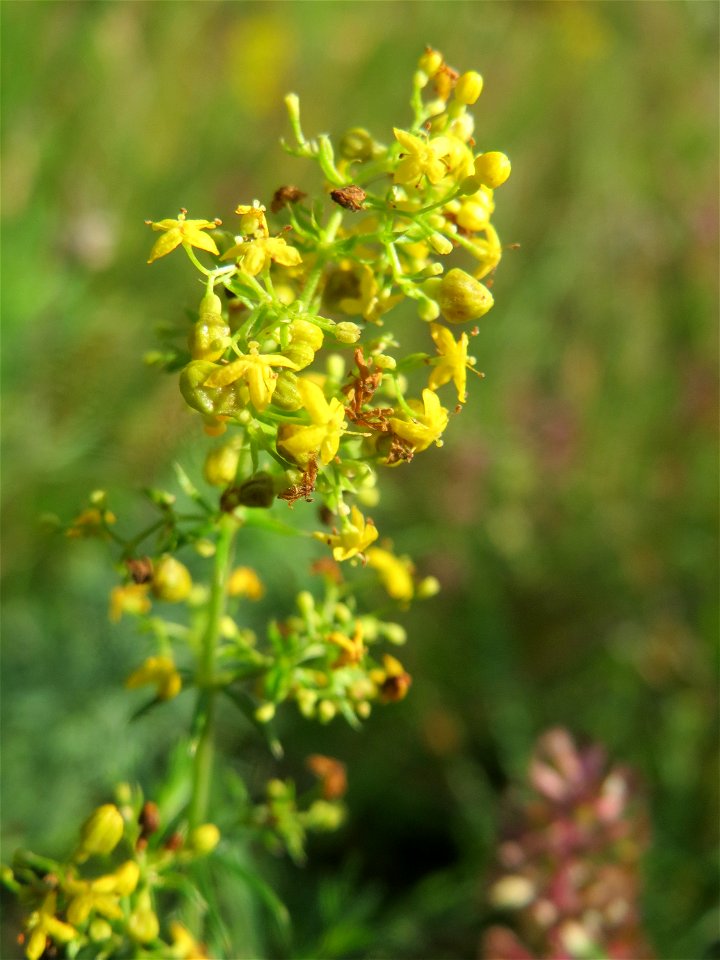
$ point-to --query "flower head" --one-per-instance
(159, 671)
(356, 535)
(43, 924)
(256, 369)
(244, 582)
(427, 424)
(452, 362)
(328, 424)
(129, 598)
(421, 158)
(254, 255)
(188, 232)
(395, 572)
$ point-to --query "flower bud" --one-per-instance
(468, 87)
(462, 297)
(265, 712)
(221, 465)
(492, 168)
(306, 604)
(430, 61)
(101, 832)
(304, 331)
(143, 924)
(300, 353)
(323, 815)
(204, 839)
(394, 633)
(171, 580)
(357, 144)
(428, 587)
(440, 244)
(99, 930)
(428, 310)
(326, 711)
(347, 332)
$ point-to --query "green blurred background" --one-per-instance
(571, 516)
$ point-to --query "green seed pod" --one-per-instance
(300, 353)
(209, 336)
(225, 401)
(286, 394)
(462, 297)
(221, 465)
(258, 491)
(171, 580)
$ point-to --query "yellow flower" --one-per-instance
(253, 222)
(91, 523)
(426, 426)
(421, 158)
(129, 598)
(256, 369)
(103, 894)
(244, 582)
(475, 211)
(487, 252)
(184, 946)
(188, 232)
(254, 255)
(353, 650)
(159, 671)
(323, 436)
(355, 536)
(452, 363)
(395, 572)
(42, 924)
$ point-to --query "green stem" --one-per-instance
(326, 241)
(207, 693)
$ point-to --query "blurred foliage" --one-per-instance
(572, 520)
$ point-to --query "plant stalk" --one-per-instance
(207, 693)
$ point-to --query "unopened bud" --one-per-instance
(171, 580)
(143, 924)
(428, 310)
(265, 712)
(430, 61)
(357, 144)
(204, 839)
(347, 332)
(468, 87)
(428, 587)
(326, 711)
(440, 244)
(101, 832)
(323, 815)
(221, 465)
(492, 168)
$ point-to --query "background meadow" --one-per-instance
(571, 516)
